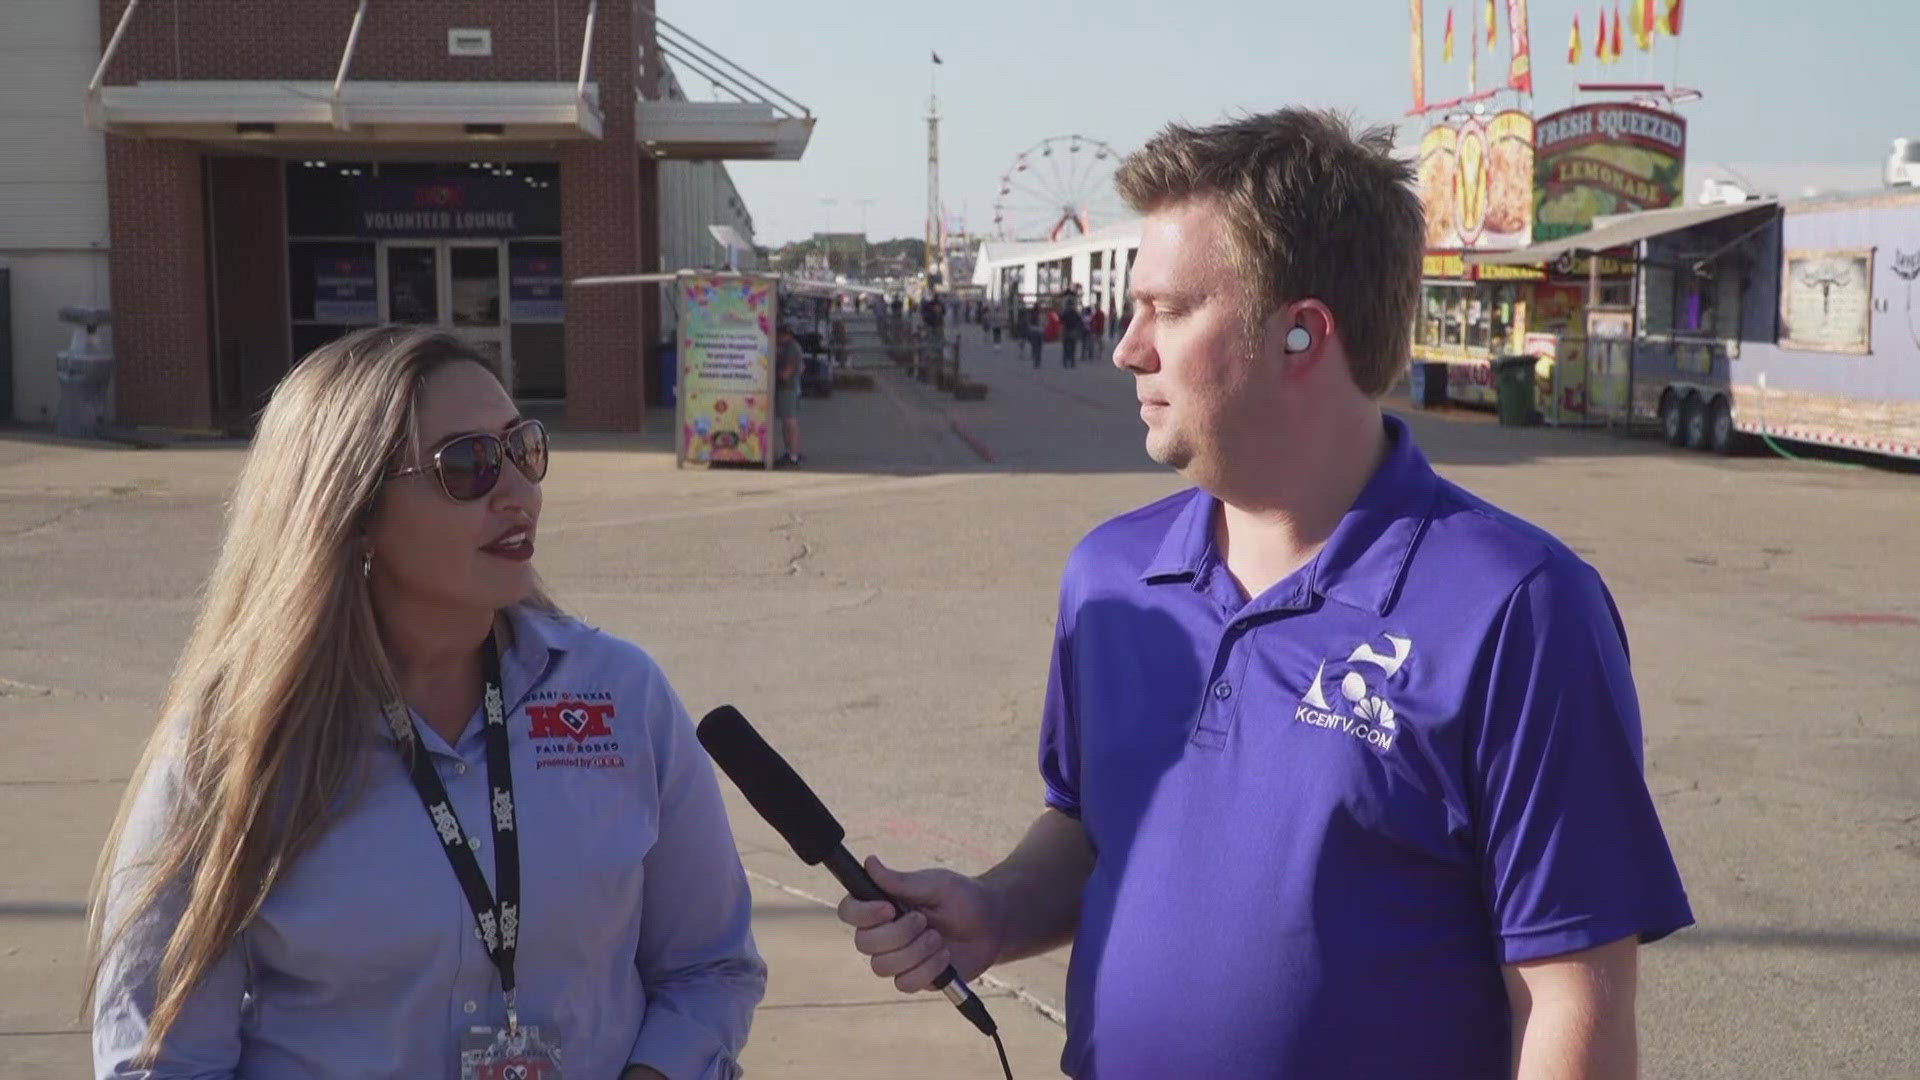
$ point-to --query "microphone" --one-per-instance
(778, 794)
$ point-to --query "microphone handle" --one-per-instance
(853, 877)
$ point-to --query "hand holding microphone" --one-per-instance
(951, 920)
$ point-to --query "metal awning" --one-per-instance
(374, 111)
(1618, 230)
(704, 130)
(759, 124)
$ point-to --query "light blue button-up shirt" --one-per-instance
(635, 945)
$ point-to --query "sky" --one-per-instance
(1784, 81)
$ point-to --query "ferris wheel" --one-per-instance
(1060, 186)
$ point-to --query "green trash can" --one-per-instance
(1514, 386)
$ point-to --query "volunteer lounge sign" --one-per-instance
(470, 206)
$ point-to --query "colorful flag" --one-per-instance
(1419, 55)
(1644, 35)
(1600, 40)
(1616, 47)
(1493, 27)
(1673, 17)
(1520, 62)
(1446, 46)
(1573, 44)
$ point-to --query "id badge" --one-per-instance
(495, 1054)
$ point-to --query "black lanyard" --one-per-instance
(496, 920)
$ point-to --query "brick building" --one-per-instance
(279, 172)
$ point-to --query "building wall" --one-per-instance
(246, 198)
(53, 188)
(1115, 244)
(694, 195)
(156, 211)
(607, 191)
(401, 40)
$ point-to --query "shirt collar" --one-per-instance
(1362, 563)
(539, 640)
(1365, 560)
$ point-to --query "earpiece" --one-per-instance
(1299, 339)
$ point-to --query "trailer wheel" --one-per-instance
(1722, 437)
(1695, 414)
(1673, 425)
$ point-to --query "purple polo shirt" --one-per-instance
(1325, 817)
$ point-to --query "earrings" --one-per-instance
(366, 563)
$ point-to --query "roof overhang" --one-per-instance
(1618, 230)
(720, 130)
(471, 112)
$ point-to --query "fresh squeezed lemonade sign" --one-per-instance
(726, 367)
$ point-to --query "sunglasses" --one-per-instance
(469, 466)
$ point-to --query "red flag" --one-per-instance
(1646, 25)
(1600, 39)
(1573, 44)
(1616, 48)
(1520, 48)
(1673, 17)
(1446, 48)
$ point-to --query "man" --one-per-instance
(1343, 765)
(788, 365)
(1071, 328)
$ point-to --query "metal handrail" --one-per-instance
(92, 107)
(722, 59)
(335, 105)
(720, 79)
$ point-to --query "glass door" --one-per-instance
(476, 296)
(411, 292)
(457, 285)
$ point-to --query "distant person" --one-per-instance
(395, 795)
(840, 341)
(789, 365)
(1073, 328)
(1343, 765)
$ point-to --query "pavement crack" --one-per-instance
(12, 688)
(42, 526)
(800, 548)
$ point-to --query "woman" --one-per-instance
(405, 819)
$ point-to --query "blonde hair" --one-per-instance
(265, 718)
(1312, 210)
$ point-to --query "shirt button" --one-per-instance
(460, 768)
(1222, 690)
(470, 1007)
(1241, 625)
(473, 842)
